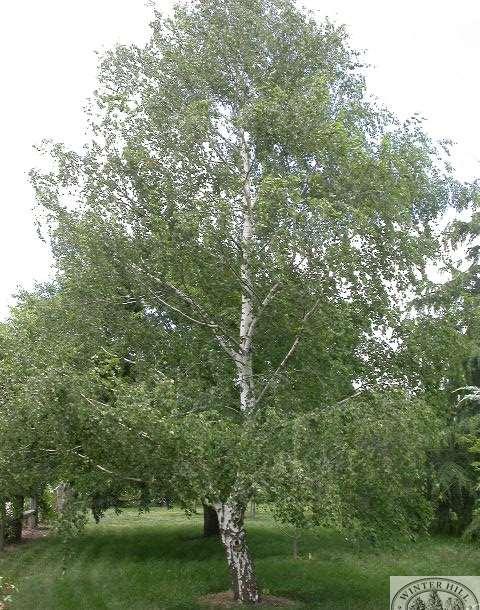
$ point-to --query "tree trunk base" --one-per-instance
(226, 600)
(232, 531)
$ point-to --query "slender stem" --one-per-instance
(288, 355)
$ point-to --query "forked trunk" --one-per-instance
(232, 531)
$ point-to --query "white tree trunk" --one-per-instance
(247, 315)
(231, 513)
(232, 531)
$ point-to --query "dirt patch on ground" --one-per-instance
(33, 534)
(28, 535)
(225, 600)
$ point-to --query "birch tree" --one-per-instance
(242, 192)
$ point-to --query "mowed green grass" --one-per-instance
(159, 561)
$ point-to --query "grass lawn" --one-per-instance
(159, 561)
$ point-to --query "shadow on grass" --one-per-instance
(160, 561)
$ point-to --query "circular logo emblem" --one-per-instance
(435, 594)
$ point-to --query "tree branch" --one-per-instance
(182, 313)
(223, 340)
(106, 470)
(255, 318)
(344, 400)
(140, 433)
(288, 355)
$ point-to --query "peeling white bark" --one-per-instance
(247, 316)
(232, 531)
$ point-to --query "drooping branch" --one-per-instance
(106, 470)
(97, 404)
(179, 311)
(84, 457)
(221, 337)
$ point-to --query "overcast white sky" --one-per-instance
(425, 56)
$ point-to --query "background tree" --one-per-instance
(439, 346)
(24, 467)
